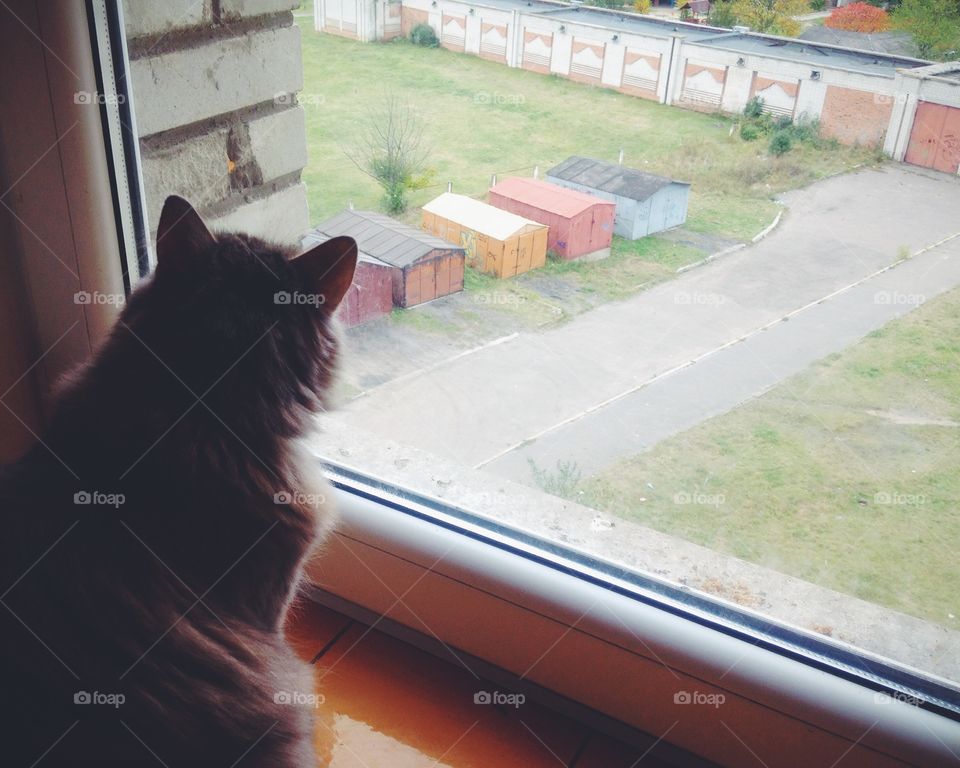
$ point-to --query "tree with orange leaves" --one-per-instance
(859, 17)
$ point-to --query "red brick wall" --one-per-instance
(855, 117)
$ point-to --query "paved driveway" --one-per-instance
(618, 379)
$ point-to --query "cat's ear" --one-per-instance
(328, 269)
(181, 234)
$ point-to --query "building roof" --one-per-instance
(315, 237)
(547, 196)
(813, 54)
(383, 238)
(836, 56)
(891, 43)
(479, 217)
(610, 177)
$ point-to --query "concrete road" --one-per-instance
(618, 379)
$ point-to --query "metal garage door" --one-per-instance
(935, 138)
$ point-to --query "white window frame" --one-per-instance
(551, 623)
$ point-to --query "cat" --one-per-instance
(153, 541)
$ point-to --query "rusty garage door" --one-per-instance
(935, 138)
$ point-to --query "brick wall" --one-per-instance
(855, 117)
(214, 84)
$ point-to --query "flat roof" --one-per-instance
(385, 239)
(812, 53)
(619, 21)
(480, 217)
(610, 177)
(546, 196)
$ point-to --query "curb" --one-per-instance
(733, 248)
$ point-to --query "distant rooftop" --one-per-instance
(610, 177)
(480, 217)
(814, 54)
(631, 22)
(546, 196)
(889, 43)
(841, 55)
(381, 237)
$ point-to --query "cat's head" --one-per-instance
(243, 323)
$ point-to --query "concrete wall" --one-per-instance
(214, 87)
(855, 107)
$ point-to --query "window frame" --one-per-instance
(428, 568)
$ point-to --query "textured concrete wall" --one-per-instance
(214, 88)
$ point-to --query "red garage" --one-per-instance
(371, 293)
(424, 267)
(580, 225)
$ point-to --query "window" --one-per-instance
(715, 457)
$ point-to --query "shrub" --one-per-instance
(781, 143)
(754, 108)
(641, 6)
(818, 5)
(859, 17)
(423, 34)
(749, 132)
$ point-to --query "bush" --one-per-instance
(754, 108)
(859, 17)
(781, 143)
(423, 34)
(641, 6)
(818, 5)
(749, 132)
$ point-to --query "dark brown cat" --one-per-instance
(152, 544)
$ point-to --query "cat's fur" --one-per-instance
(174, 599)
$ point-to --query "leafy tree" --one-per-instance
(859, 17)
(934, 24)
(392, 150)
(775, 17)
(722, 15)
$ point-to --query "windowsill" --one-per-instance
(612, 646)
(855, 625)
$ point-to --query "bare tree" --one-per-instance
(392, 150)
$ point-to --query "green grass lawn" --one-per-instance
(801, 478)
(484, 118)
